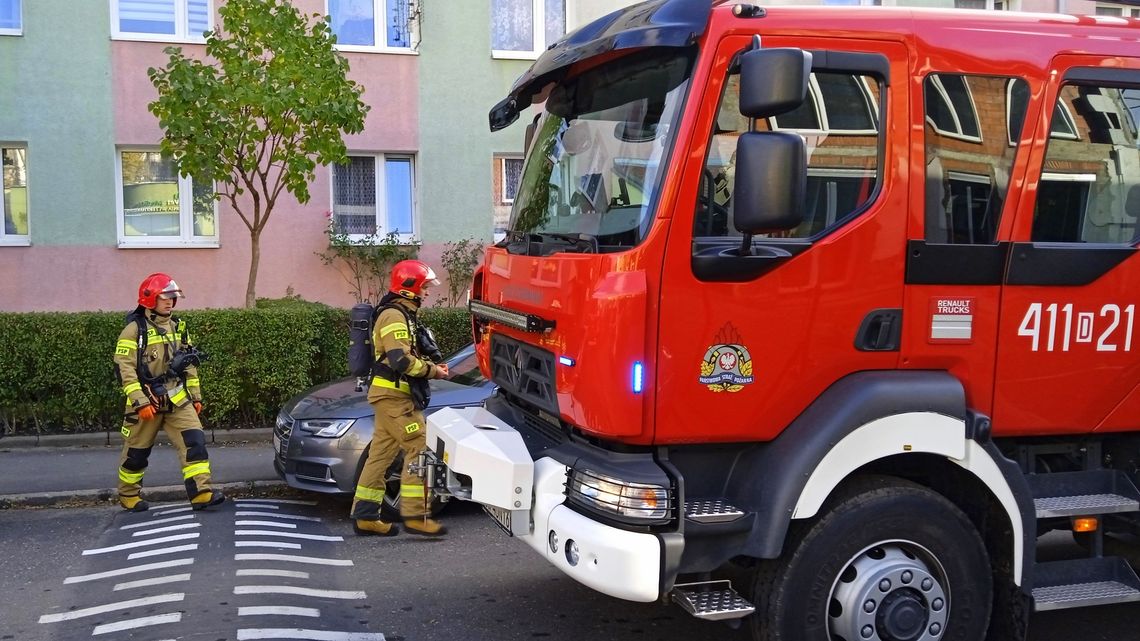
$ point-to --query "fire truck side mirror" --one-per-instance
(773, 81)
(771, 182)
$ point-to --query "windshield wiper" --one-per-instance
(585, 241)
(521, 241)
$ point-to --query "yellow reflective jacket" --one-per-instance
(162, 341)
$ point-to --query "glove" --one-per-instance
(146, 412)
(198, 406)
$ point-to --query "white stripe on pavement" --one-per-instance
(291, 574)
(292, 558)
(281, 545)
(111, 607)
(166, 511)
(153, 523)
(289, 535)
(142, 622)
(159, 552)
(256, 506)
(292, 589)
(277, 501)
(168, 528)
(278, 610)
(254, 634)
(294, 517)
(158, 580)
(290, 526)
(131, 570)
(139, 544)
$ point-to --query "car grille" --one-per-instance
(525, 371)
(282, 429)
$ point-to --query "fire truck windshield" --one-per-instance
(597, 156)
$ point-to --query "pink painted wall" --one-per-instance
(108, 277)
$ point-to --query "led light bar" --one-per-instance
(509, 317)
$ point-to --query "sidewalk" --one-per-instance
(73, 469)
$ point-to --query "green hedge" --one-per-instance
(56, 372)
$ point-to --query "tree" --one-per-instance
(271, 102)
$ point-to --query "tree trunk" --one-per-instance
(254, 259)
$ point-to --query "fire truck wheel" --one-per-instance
(884, 560)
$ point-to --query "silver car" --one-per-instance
(322, 435)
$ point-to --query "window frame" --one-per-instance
(1066, 114)
(503, 199)
(1126, 10)
(19, 30)
(15, 240)
(380, 8)
(936, 79)
(185, 238)
(538, 28)
(820, 108)
(181, 33)
(381, 190)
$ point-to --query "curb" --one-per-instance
(101, 439)
(84, 498)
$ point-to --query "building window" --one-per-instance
(373, 24)
(164, 20)
(157, 207)
(11, 22)
(836, 103)
(525, 28)
(511, 177)
(367, 201)
(1121, 11)
(988, 5)
(14, 205)
(1017, 101)
(950, 107)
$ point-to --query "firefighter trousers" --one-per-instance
(184, 431)
(398, 427)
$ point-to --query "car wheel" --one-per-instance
(886, 560)
(390, 508)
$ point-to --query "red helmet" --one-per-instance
(157, 286)
(409, 278)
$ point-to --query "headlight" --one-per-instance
(639, 501)
(326, 428)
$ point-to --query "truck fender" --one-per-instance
(862, 418)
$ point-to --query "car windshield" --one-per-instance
(464, 367)
(595, 162)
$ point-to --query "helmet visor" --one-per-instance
(172, 290)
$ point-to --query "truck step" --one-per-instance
(1085, 493)
(711, 600)
(711, 511)
(1083, 582)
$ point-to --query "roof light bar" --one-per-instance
(510, 318)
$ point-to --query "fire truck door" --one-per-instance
(746, 343)
(1069, 336)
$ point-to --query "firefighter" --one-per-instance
(157, 365)
(399, 422)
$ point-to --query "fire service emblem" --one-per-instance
(727, 366)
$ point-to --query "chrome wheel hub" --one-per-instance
(891, 591)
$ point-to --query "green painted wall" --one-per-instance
(55, 96)
(459, 83)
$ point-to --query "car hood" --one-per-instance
(339, 399)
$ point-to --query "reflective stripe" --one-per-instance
(411, 491)
(194, 469)
(132, 387)
(178, 396)
(394, 327)
(127, 476)
(123, 342)
(369, 494)
(193, 382)
(379, 381)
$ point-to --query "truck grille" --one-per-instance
(525, 371)
(282, 429)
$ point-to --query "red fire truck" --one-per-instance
(839, 303)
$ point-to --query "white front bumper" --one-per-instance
(623, 564)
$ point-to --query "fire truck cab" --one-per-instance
(834, 304)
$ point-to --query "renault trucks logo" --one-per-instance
(727, 366)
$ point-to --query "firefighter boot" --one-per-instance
(133, 504)
(207, 499)
(374, 528)
(424, 526)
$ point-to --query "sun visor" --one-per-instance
(659, 23)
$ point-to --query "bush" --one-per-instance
(56, 373)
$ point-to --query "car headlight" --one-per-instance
(326, 428)
(638, 501)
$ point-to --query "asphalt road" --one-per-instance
(61, 581)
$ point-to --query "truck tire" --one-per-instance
(884, 560)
